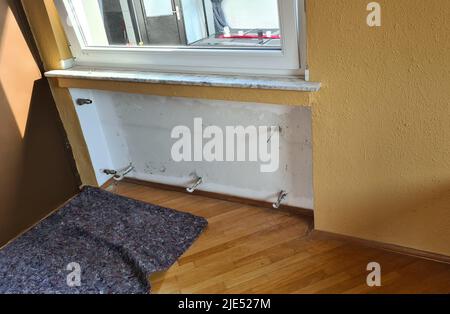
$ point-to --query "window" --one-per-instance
(220, 36)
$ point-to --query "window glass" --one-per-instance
(242, 24)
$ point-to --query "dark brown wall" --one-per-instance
(36, 168)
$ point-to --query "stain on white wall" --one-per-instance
(137, 129)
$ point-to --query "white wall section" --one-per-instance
(93, 133)
(127, 128)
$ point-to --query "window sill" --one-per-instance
(212, 80)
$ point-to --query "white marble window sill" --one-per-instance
(253, 82)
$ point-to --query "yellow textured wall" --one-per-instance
(382, 121)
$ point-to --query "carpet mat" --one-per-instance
(116, 241)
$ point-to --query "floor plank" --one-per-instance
(249, 249)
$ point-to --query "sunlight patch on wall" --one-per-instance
(18, 71)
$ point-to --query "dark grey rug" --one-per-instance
(116, 241)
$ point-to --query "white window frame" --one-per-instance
(289, 61)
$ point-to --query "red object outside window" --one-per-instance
(235, 36)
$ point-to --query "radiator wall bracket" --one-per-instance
(281, 197)
(194, 187)
(118, 175)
